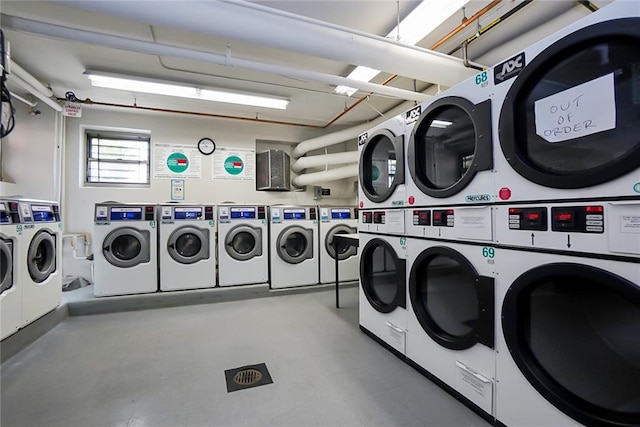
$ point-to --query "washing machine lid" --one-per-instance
(344, 251)
(188, 244)
(127, 247)
(570, 119)
(41, 256)
(295, 244)
(6, 264)
(381, 165)
(450, 143)
(453, 304)
(244, 242)
(382, 276)
(572, 330)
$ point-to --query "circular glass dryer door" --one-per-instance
(127, 247)
(341, 251)
(570, 119)
(382, 276)
(449, 144)
(41, 256)
(572, 330)
(381, 165)
(188, 244)
(295, 244)
(244, 242)
(6, 265)
(453, 304)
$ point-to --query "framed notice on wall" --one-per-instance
(237, 164)
(176, 161)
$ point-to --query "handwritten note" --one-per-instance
(580, 111)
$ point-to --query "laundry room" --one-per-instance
(292, 213)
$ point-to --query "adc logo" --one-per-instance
(508, 69)
(413, 114)
(363, 138)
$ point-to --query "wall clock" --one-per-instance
(206, 146)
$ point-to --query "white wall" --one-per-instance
(79, 199)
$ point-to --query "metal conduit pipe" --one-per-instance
(32, 90)
(325, 160)
(251, 23)
(326, 176)
(158, 49)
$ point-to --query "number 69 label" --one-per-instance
(488, 252)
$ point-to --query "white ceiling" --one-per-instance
(61, 64)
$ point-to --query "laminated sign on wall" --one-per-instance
(176, 161)
(234, 164)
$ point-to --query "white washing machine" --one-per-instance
(567, 344)
(473, 223)
(11, 243)
(386, 221)
(383, 290)
(125, 250)
(450, 326)
(600, 228)
(450, 150)
(293, 246)
(381, 180)
(187, 247)
(41, 275)
(242, 245)
(337, 220)
(567, 110)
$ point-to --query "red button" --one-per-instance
(412, 200)
(504, 193)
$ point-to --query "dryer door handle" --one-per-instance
(107, 248)
(172, 245)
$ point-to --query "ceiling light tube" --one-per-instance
(166, 89)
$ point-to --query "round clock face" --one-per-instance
(206, 146)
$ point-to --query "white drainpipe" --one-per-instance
(35, 92)
(150, 48)
(325, 160)
(326, 176)
(252, 23)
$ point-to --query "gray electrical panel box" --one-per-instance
(273, 171)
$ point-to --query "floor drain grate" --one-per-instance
(247, 377)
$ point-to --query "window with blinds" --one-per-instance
(118, 158)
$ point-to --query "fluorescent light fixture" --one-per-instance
(441, 124)
(421, 21)
(143, 86)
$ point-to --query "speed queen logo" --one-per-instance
(508, 69)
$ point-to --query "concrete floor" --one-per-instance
(165, 367)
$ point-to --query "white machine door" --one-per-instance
(41, 257)
(453, 304)
(6, 265)
(244, 242)
(343, 251)
(188, 244)
(382, 276)
(570, 119)
(127, 247)
(295, 244)
(572, 330)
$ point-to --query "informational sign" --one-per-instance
(177, 189)
(234, 164)
(72, 110)
(580, 111)
(176, 161)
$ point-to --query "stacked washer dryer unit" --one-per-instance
(11, 261)
(41, 275)
(293, 246)
(125, 251)
(383, 252)
(333, 221)
(568, 225)
(187, 245)
(448, 222)
(242, 245)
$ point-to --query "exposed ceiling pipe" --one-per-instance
(25, 76)
(158, 49)
(33, 91)
(325, 160)
(252, 23)
(326, 176)
(31, 104)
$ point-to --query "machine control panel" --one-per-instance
(208, 213)
(182, 213)
(340, 213)
(443, 218)
(422, 217)
(237, 212)
(578, 219)
(378, 217)
(528, 219)
(355, 213)
(297, 213)
(42, 213)
(367, 217)
(5, 218)
(313, 213)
